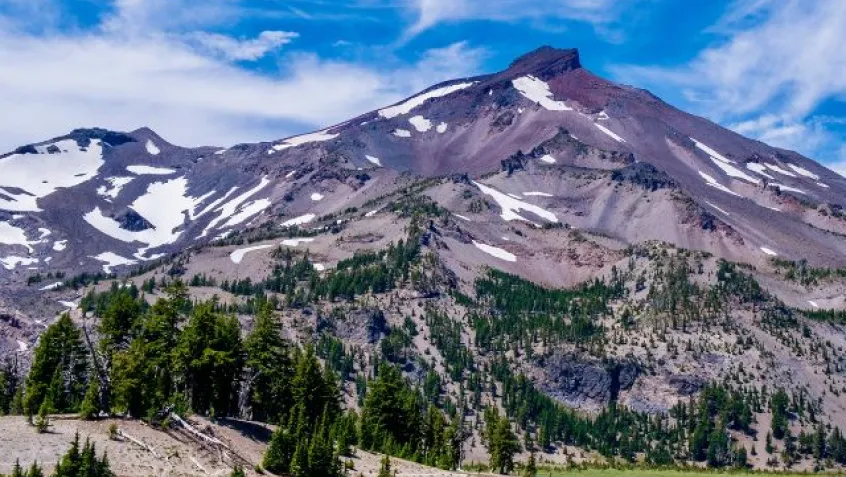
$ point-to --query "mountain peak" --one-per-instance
(546, 61)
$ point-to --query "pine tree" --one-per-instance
(60, 364)
(269, 368)
(280, 451)
(385, 467)
(502, 446)
(237, 471)
(35, 470)
(530, 469)
(90, 407)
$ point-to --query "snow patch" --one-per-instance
(420, 123)
(406, 106)
(602, 116)
(229, 209)
(713, 183)
(290, 174)
(301, 220)
(717, 208)
(803, 172)
(768, 251)
(293, 242)
(547, 159)
(714, 154)
(22, 347)
(116, 184)
(152, 148)
(823, 185)
(786, 188)
(112, 259)
(537, 194)
(374, 160)
(60, 245)
(462, 217)
(732, 171)
(316, 196)
(238, 255)
(538, 91)
(39, 175)
(319, 266)
(401, 133)
(496, 251)
(759, 168)
(11, 235)
(609, 132)
(247, 211)
(776, 168)
(510, 206)
(295, 141)
(51, 286)
(163, 205)
(142, 170)
(813, 303)
(441, 128)
(11, 262)
(68, 304)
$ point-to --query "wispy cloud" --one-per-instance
(772, 65)
(430, 13)
(159, 76)
(243, 49)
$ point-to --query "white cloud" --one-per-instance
(123, 81)
(774, 64)
(432, 12)
(243, 49)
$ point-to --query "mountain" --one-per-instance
(485, 210)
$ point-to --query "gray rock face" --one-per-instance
(367, 325)
(585, 384)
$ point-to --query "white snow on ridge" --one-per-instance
(117, 184)
(402, 133)
(60, 245)
(602, 116)
(609, 132)
(823, 185)
(374, 160)
(776, 168)
(713, 183)
(248, 210)
(537, 194)
(711, 152)
(152, 148)
(112, 259)
(163, 205)
(462, 217)
(768, 251)
(441, 128)
(717, 208)
(142, 170)
(11, 235)
(813, 303)
(228, 209)
(319, 266)
(293, 242)
(238, 255)
(548, 159)
(496, 251)
(538, 91)
(39, 175)
(295, 141)
(759, 168)
(510, 206)
(732, 171)
(52, 286)
(10, 263)
(316, 196)
(804, 172)
(301, 220)
(420, 123)
(786, 188)
(406, 106)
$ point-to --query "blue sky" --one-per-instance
(226, 71)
